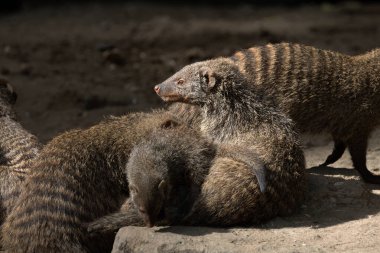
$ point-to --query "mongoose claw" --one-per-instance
(260, 175)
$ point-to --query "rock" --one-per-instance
(176, 239)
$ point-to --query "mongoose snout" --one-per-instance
(157, 89)
(167, 92)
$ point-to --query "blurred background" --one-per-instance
(73, 64)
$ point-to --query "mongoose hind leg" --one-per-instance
(126, 216)
(339, 148)
(247, 156)
(358, 149)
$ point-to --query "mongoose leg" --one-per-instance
(339, 148)
(247, 156)
(126, 216)
(358, 150)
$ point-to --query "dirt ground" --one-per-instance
(75, 64)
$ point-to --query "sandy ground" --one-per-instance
(76, 64)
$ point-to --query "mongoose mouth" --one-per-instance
(171, 98)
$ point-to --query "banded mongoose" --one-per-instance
(319, 89)
(178, 177)
(234, 117)
(77, 177)
(18, 147)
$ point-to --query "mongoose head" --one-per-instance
(165, 169)
(193, 83)
(7, 97)
(148, 186)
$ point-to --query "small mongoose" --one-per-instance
(319, 89)
(178, 177)
(77, 177)
(18, 148)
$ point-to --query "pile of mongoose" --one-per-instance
(226, 154)
(78, 177)
(178, 177)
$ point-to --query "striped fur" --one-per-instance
(208, 188)
(246, 129)
(320, 90)
(77, 177)
(18, 148)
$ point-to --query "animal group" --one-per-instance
(226, 152)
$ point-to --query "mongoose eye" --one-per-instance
(180, 81)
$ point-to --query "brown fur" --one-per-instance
(191, 183)
(319, 89)
(77, 177)
(18, 148)
(233, 116)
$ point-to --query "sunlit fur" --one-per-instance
(320, 90)
(234, 116)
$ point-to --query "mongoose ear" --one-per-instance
(162, 186)
(207, 76)
(169, 123)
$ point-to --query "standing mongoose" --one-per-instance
(178, 177)
(77, 177)
(319, 89)
(18, 148)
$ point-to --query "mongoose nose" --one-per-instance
(157, 89)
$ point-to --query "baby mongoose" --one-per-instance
(18, 148)
(78, 176)
(178, 177)
(319, 89)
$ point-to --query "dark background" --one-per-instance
(72, 64)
